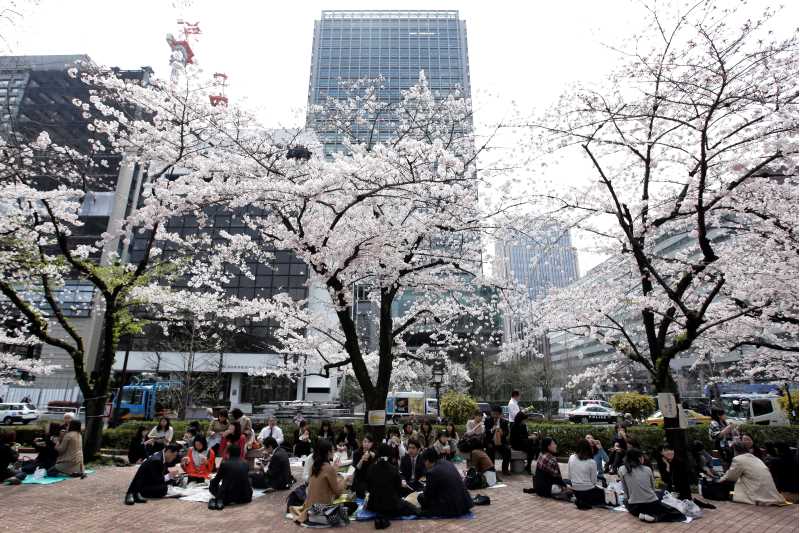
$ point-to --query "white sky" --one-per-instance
(526, 52)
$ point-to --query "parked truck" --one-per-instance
(148, 400)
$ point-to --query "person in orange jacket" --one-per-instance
(199, 461)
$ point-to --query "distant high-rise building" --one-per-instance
(393, 45)
(538, 263)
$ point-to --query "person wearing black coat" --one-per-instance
(385, 487)
(445, 493)
(278, 475)
(675, 474)
(412, 467)
(46, 458)
(363, 459)
(151, 478)
(232, 482)
(492, 425)
(521, 441)
(137, 450)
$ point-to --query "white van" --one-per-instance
(762, 409)
(18, 412)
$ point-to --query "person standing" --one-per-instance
(496, 433)
(723, 434)
(513, 405)
(245, 424)
(271, 430)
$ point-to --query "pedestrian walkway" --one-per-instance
(95, 505)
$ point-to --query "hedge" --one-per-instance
(567, 435)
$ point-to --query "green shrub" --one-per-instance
(458, 407)
(638, 405)
(785, 403)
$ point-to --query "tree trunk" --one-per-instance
(675, 436)
(376, 401)
(93, 437)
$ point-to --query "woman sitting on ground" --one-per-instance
(395, 443)
(46, 456)
(348, 437)
(324, 486)
(326, 431)
(69, 446)
(600, 458)
(385, 487)
(302, 439)
(363, 459)
(639, 486)
(522, 441)
(234, 436)
(159, 436)
(426, 435)
(583, 476)
(479, 460)
(548, 482)
(619, 445)
(199, 460)
(452, 434)
(444, 446)
(408, 433)
(137, 450)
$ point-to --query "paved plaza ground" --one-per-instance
(95, 504)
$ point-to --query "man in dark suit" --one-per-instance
(278, 475)
(152, 476)
(412, 468)
(232, 483)
(385, 487)
(496, 432)
(445, 493)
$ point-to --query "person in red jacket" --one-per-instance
(199, 461)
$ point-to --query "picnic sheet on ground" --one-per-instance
(49, 480)
(363, 514)
(198, 493)
(623, 509)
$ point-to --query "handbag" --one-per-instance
(714, 490)
(475, 480)
(328, 515)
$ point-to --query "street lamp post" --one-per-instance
(437, 376)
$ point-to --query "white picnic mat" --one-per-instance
(198, 493)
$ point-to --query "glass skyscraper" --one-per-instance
(392, 45)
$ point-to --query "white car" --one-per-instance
(18, 412)
(588, 414)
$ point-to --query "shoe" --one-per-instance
(220, 504)
(212, 504)
(138, 498)
(644, 517)
(129, 500)
(529, 491)
(704, 505)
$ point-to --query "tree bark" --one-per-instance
(675, 436)
(375, 401)
(93, 437)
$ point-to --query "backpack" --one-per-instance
(296, 498)
(474, 480)
(328, 515)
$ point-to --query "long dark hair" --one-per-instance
(326, 424)
(321, 456)
(237, 432)
(202, 440)
(584, 450)
(716, 412)
(633, 459)
(426, 423)
(159, 423)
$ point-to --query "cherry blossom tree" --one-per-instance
(690, 152)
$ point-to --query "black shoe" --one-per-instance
(704, 505)
(138, 498)
(220, 504)
(212, 504)
(529, 491)
(129, 499)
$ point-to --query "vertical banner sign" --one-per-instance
(683, 421)
(667, 405)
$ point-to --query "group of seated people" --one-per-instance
(58, 453)
(748, 480)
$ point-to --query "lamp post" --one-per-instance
(437, 376)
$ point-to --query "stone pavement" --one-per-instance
(95, 505)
